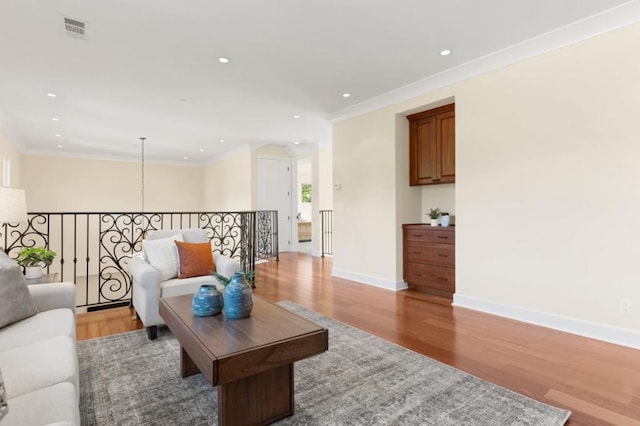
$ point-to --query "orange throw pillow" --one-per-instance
(196, 259)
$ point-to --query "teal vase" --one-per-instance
(238, 299)
(207, 301)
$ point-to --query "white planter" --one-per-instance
(434, 222)
(31, 272)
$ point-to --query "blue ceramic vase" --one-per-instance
(207, 301)
(238, 299)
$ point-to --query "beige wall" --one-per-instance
(56, 184)
(545, 194)
(11, 152)
(364, 217)
(324, 166)
(228, 183)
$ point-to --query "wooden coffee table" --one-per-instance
(250, 360)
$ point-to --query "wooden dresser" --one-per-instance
(429, 258)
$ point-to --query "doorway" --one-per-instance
(274, 177)
(304, 198)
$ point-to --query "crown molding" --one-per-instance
(118, 158)
(609, 20)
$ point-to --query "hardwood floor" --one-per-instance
(599, 382)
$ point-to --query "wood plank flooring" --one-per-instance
(599, 382)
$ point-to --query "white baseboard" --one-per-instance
(369, 280)
(606, 333)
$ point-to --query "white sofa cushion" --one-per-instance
(15, 300)
(162, 254)
(56, 322)
(180, 286)
(40, 365)
(57, 403)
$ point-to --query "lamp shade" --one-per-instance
(13, 205)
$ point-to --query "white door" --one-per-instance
(275, 194)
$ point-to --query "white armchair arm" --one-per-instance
(54, 296)
(144, 274)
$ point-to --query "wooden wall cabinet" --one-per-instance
(429, 259)
(432, 146)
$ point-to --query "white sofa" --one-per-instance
(149, 286)
(39, 363)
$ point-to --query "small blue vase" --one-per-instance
(207, 301)
(238, 299)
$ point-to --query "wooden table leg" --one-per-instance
(187, 366)
(257, 400)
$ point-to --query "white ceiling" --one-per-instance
(150, 68)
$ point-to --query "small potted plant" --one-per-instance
(434, 215)
(33, 259)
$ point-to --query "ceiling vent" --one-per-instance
(75, 28)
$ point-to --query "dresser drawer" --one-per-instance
(430, 277)
(430, 235)
(431, 254)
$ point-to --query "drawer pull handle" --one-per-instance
(417, 235)
(418, 275)
(417, 252)
(443, 237)
(443, 279)
(443, 255)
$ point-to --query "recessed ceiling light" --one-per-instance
(59, 146)
(296, 116)
(58, 135)
(346, 95)
(223, 60)
(55, 118)
(186, 158)
(51, 95)
(201, 150)
(221, 140)
(296, 143)
(445, 52)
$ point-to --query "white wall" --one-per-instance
(545, 194)
(57, 184)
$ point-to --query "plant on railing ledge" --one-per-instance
(34, 256)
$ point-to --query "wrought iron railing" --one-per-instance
(267, 235)
(326, 231)
(94, 249)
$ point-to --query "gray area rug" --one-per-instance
(126, 379)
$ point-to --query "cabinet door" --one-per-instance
(423, 151)
(446, 147)
(432, 144)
